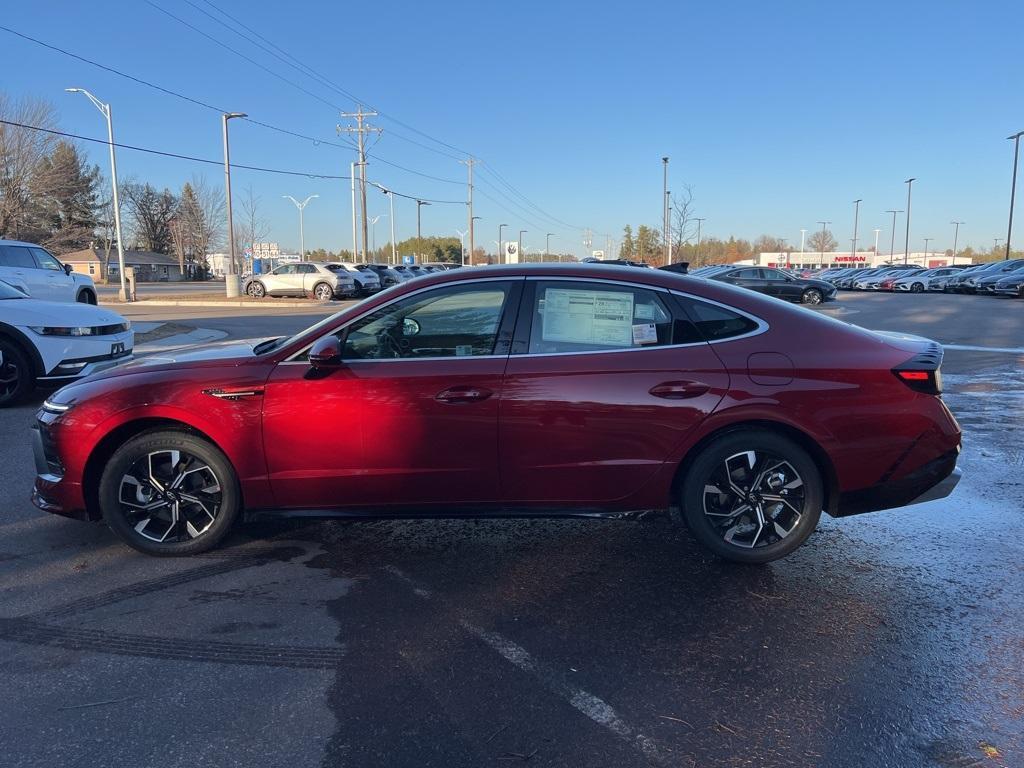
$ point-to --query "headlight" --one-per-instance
(52, 407)
(81, 330)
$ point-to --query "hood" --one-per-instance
(64, 314)
(225, 353)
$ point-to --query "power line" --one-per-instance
(499, 177)
(521, 208)
(191, 158)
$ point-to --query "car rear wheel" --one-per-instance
(256, 289)
(812, 296)
(323, 292)
(169, 493)
(16, 378)
(752, 496)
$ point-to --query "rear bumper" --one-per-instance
(934, 480)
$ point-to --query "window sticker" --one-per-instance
(645, 333)
(463, 349)
(644, 312)
(588, 317)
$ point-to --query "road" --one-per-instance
(891, 639)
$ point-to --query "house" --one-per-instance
(149, 267)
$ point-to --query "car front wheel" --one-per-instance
(169, 493)
(812, 296)
(256, 289)
(917, 288)
(15, 373)
(752, 496)
(86, 297)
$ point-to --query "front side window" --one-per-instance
(454, 321)
(45, 261)
(591, 317)
(286, 269)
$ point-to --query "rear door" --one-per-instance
(307, 278)
(605, 381)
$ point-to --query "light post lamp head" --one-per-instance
(231, 115)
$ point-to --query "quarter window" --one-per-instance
(591, 317)
(715, 322)
(456, 321)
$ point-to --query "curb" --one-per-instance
(243, 304)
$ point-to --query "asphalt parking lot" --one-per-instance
(892, 639)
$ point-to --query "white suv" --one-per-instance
(50, 343)
(301, 278)
(41, 275)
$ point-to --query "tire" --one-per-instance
(323, 292)
(176, 461)
(917, 288)
(16, 376)
(86, 297)
(719, 518)
(812, 296)
(256, 289)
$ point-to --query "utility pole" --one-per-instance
(664, 200)
(501, 252)
(906, 244)
(1013, 188)
(470, 162)
(391, 201)
(419, 237)
(355, 239)
(361, 128)
(856, 214)
(588, 239)
(824, 224)
(696, 251)
(892, 240)
(956, 236)
(521, 233)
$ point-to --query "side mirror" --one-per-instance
(410, 327)
(67, 269)
(325, 354)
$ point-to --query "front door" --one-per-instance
(411, 417)
(781, 285)
(604, 383)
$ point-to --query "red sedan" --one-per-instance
(525, 390)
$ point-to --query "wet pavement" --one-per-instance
(889, 639)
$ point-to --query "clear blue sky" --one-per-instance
(777, 114)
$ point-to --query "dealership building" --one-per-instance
(835, 259)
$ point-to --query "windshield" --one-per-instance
(10, 292)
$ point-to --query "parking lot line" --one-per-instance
(587, 703)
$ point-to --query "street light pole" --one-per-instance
(230, 277)
(373, 234)
(355, 239)
(892, 239)
(462, 240)
(501, 253)
(1013, 188)
(856, 215)
(664, 198)
(394, 252)
(956, 236)
(824, 224)
(926, 253)
(472, 219)
(906, 244)
(419, 237)
(876, 241)
(104, 109)
(696, 252)
(547, 245)
(302, 232)
(521, 233)
(803, 233)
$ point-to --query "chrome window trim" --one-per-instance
(291, 359)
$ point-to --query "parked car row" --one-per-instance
(325, 281)
(999, 277)
(773, 282)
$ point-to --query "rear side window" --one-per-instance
(716, 322)
(17, 256)
(591, 317)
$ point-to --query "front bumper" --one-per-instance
(1008, 290)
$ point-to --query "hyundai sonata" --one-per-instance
(514, 390)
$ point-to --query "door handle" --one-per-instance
(679, 390)
(465, 394)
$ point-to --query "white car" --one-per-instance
(367, 281)
(53, 343)
(922, 281)
(301, 278)
(41, 275)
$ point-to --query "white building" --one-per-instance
(833, 259)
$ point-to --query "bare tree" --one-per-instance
(822, 240)
(22, 152)
(682, 217)
(251, 227)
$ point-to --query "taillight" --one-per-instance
(921, 372)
